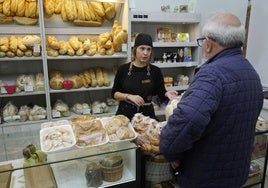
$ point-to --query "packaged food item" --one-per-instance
(163, 34)
(93, 174)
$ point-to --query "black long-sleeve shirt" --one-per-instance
(139, 83)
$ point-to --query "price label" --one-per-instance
(86, 111)
(56, 114)
(28, 88)
(36, 48)
(3, 90)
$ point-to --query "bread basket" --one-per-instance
(112, 174)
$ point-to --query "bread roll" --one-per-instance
(63, 47)
(13, 43)
(77, 81)
(28, 53)
(74, 42)
(53, 42)
(4, 44)
(19, 53)
(93, 49)
(52, 52)
(21, 46)
(56, 82)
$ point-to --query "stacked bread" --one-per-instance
(80, 12)
(118, 128)
(31, 82)
(103, 44)
(23, 12)
(91, 77)
(148, 130)
(88, 131)
(28, 45)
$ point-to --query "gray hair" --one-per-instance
(224, 34)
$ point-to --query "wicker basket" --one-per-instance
(157, 170)
(112, 174)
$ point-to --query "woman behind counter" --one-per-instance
(137, 82)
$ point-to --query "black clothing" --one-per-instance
(139, 83)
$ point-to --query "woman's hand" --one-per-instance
(171, 94)
(138, 100)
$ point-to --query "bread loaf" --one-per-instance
(58, 6)
(49, 6)
(77, 81)
(13, 7)
(87, 23)
(7, 7)
(98, 8)
(21, 8)
(30, 9)
(25, 20)
(80, 10)
(93, 77)
(109, 9)
(63, 12)
(56, 82)
(99, 76)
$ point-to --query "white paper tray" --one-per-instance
(53, 130)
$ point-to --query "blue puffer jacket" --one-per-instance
(212, 129)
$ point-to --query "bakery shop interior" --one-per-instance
(90, 89)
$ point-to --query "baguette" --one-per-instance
(87, 23)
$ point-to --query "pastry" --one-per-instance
(25, 20)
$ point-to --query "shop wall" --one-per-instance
(258, 30)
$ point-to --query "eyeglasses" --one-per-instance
(200, 41)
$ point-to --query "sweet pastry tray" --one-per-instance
(118, 132)
(90, 133)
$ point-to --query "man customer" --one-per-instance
(209, 138)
